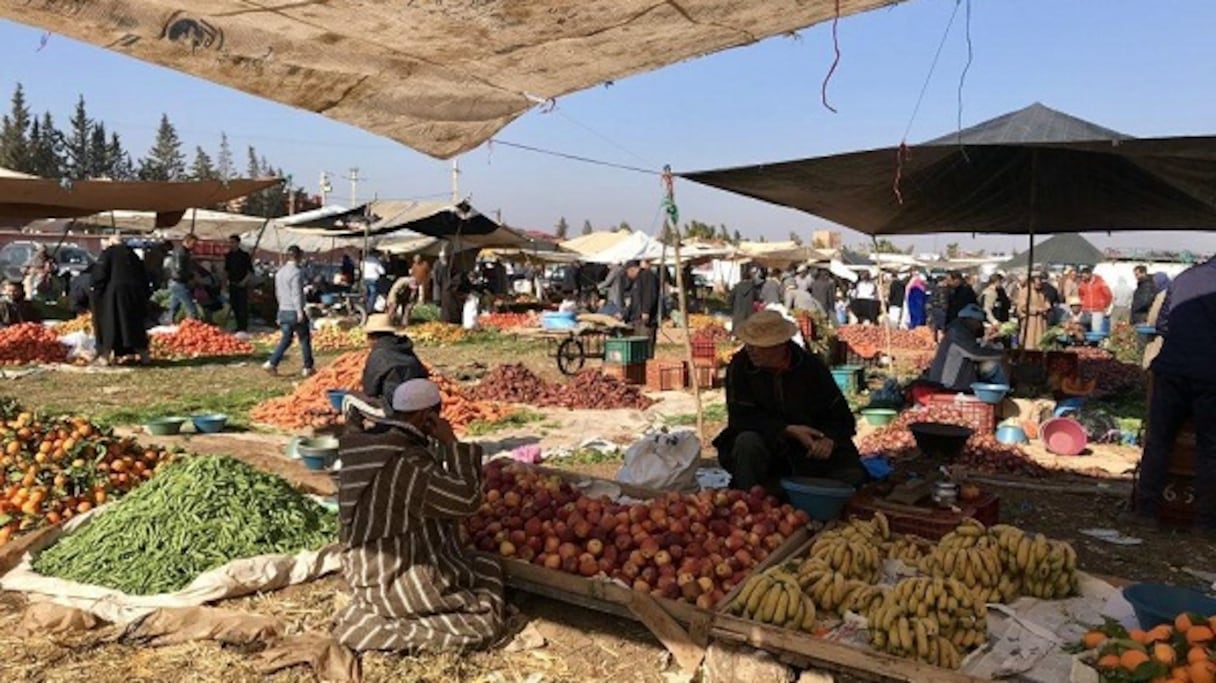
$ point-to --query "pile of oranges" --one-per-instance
(54, 469)
(1170, 653)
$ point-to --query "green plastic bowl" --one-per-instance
(879, 416)
(164, 426)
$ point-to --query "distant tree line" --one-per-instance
(86, 149)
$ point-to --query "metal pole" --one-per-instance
(1030, 222)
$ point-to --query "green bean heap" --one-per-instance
(198, 514)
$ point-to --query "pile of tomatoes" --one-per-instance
(196, 339)
(28, 343)
(57, 468)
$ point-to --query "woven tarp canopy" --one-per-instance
(1033, 171)
(441, 76)
(31, 198)
(1065, 249)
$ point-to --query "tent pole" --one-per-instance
(882, 300)
(683, 299)
(258, 241)
(1034, 173)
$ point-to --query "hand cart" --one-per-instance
(571, 348)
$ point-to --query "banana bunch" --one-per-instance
(774, 597)
(907, 549)
(932, 619)
(1039, 567)
(849, 556)
(979, 569)
(830, 590)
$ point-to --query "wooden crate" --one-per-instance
(634, 373)
(666, 375)
(707, 373)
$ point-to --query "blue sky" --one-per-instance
(1146, 69)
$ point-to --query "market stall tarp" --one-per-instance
(441, 77)
(206, 224)
(638, 246)
(595, 242)
(461, 225)
(1065, 249)
(32, 198)
(1032, 171)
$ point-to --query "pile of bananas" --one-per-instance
(930, 619)
(969, 555)
(1035, 565)
(831, 591)
(774, 597)
(853, 550)
(907, 549)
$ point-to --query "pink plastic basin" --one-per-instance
(1063, 436)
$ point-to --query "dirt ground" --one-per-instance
(582, 645)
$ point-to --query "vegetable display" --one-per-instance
(326, 338)
(198, 514)
(689, 547)
(81, 323)
(1181, 652)
(589, 390)
(507, 321)
(27, 343)
(54, 469)
(871, 338)
(437, 334)
(196, 339)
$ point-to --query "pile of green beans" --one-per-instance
(197, 514)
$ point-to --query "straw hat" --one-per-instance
(767, 329)
(379, 323)
(1074, 301)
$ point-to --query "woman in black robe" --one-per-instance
(120, 283)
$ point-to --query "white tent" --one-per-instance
(205, 223)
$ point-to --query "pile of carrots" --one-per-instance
(308, 405)
(196, 339)
(28, 343)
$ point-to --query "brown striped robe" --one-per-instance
(401, 506)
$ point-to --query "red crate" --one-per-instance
(634, 373)
(666, 375)
(928, 522)
(704, 348)
(707, 373)
(980, 416)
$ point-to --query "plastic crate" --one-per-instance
(980, 416)
(928, 522)
(633, 373)
(627, 350)
(666, 375)
(704, 348)
(707, 373)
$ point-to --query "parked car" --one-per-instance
(71, 259)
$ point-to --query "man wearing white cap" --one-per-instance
(406, 487)
(961, 360)
(785, 414)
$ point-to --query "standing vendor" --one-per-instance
(961, 359)
(785, 414)
(406, 486)
(643, 310)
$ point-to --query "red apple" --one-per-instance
(567, 550)
(649, 548)
(595, 547)
(662, 558)
(553, 562)
(641, 585)
(506, 548)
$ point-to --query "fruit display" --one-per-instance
(198, 514)
(1181, 652)
(588, 390)
(437, 334)
(969, 555)
(196, 339)
(933, 620)
(327, 338)
(690, 547)
(56, 468)
(713, 334)
(774, 597)
(1034, 565)
(867, 340)
(81, 323)
(28, 343)
(508, 321)
(983, 453)
(701, 321)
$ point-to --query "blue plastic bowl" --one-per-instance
(1146, 329)
(318, 461)
(335, 397)
(328, 299)
(210, 424)
(990, 393)
(1095, 336)
(558, 320)
(1156, 603)
(1011, 434)
(822, 499)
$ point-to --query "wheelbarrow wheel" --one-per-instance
(570, 356)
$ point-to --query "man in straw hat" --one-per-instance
(785, 414)
(392, 360)
(405, 489)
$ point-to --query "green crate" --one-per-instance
(627, 350)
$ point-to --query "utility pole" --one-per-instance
(354, 186)
(325, 188)
(291, 196)
(455, 181)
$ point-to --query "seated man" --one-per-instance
(785, 414)
(16, 308)
(391, 361)
(406, 486)
(1076, 321)
(961, 360)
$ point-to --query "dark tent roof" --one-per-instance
(1062, 175)
(1034, 124)
(1063, 250)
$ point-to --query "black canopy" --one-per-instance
(1033, 171)
(1064, 250)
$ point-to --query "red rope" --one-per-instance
(823, 91)
(901, 155)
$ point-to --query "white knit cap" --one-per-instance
(415, 395)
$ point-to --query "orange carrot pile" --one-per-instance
(197, 339)
(30, 343)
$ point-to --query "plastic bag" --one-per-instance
(664, 460)
(470, 312)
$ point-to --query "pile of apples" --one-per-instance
(689, 547)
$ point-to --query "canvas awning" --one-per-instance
(462, 226)
(595, 242)
(31, 198)
(441, 77)
(206, 224)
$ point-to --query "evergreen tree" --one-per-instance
(795, 238)
(14, 134)
(224, 168)
(45, 148)
(99, 152)
(118, 164)
(737, 238)
(624, 226)
(562, 228)
(78, 162)
(201, 169)
(587, 229)
(165, 160)
(723, 233)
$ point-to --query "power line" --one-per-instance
(573, 157)
(932, 68)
